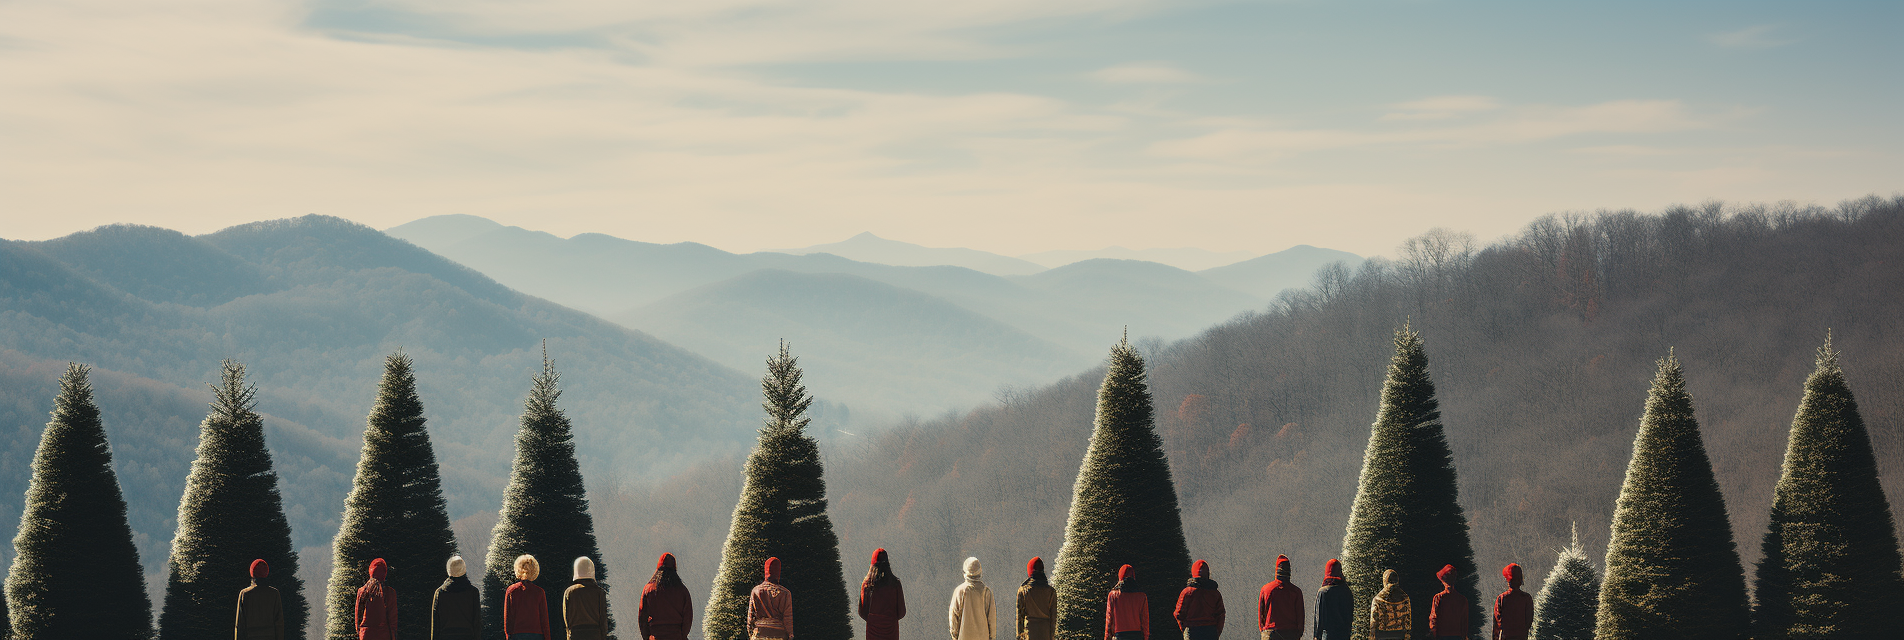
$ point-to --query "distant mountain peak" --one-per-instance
(866, 247)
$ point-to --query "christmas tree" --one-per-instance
(782, 513)
(1568, 599)
(1123, 509)
(1672, 570)
(76, 573)
(1406, 515)
(231, 514)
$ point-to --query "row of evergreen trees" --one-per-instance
(1831, 566)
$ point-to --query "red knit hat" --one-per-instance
(1034, 565)
(1200, 570)
(1446, 575)
(1126, 572)
(1332, 568)
(879, 555)
(1512, 572)
(260, 569)
(379, 569)
(773, 568)
(665, 562)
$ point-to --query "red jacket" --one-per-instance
(1199, 607)
(1279, 607)
(1513, 615)
(525, 609)
(1126, 612)
(1449, 615)
(665, 614)
(377, 605)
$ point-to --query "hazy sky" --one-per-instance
(1006, 125)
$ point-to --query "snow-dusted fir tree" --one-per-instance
(1831, 561)
(1123, 509)
(1569, 597)
(544, 509)
(1406, 515)
(231, 514)
(76, 573)
(1672, 570)
(395, 511)
(782, 513)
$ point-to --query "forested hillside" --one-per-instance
(1542, 346)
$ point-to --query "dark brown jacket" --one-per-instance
(1037, 607)
(585, 610)
(260, 614)
(455, 611)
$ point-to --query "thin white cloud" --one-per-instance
(1145, 73)
(1754, 37)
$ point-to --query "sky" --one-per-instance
(1012, 126)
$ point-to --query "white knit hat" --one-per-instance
(456, 567)
(584, 568)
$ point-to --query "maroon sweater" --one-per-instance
(1449, 616)
(525, 609)
(1513, 615)
(666, 613)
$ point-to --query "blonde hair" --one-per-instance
(527, 568)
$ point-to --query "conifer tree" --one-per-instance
(1406, 515)
(1672, 570)
(231, 514)
(75, 572)
(1565, 607)
(544, 509)
(782, 513)
(395, 511)
(1123, 508)
(1831, 565)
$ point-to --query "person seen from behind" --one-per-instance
(667, 610)
(973, 614)
(585, 604)
(1127, 608)
(260, 608)
(1037, 604)
(456, 612)
(525, 607)
(1448, 614)
(882, 601)
(1513, 609)
(1390, 616)
(376, 606)
(1199, 612)
(770, 606)
(1335, 608)
(1279, 608)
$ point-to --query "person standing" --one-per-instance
(1037, 604)
(585, 604)
(1335, 607)
(1279, 606)
(882, 601)
(260, 608)
(1390, 615)
(1127, 608)
(525, 607)
(1448, 614)
(377, 605)
(666, 611)
(1200, 613)
(973, 614)
(770, 606)
(1513, 609)
(456, 611)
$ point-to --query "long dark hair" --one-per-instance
(1037, 579)
(1128, 586)
(666, 578)
(878, 575)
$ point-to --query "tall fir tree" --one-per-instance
(782, 513)
(1831, 564)
(1672, 569)
(544, 509)
(75, 572)
(231, 514)
(395, 511)
(1406, 515)
(1123, 508)
(1569, 597)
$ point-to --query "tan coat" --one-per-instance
(585, 610)
(1037, 612)
(260, 614)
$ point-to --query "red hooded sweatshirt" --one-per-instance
(666, 611)
(1513, 609)
(1449, 614)
(1126, 611)
(377, 605)
(1200, 605)
(1279, 604)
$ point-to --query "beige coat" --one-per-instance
(973, 615)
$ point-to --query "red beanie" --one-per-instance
(260, 569)
(1446, 575)
(1126, 572)
(1332, 568)
(1512, 572)
(1036, 564)
(666, 561)
(773, 569)
(379, 569)
(1200, 570)
(879, 555)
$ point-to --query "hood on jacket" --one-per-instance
(773, 570)
(1332, 569)
(456, 567)
(1446, 575)
(1126, 572)
(666, 561)
(1391, 587)
(879, 555)
(379, 569)
(260, 569)
(1282, 568)
(1512, 572)
(584, 568)
(972, 569)
(1200, 570)
(1034, 565)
